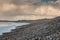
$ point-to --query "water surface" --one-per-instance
(7, 26)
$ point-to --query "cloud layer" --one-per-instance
(28, 9)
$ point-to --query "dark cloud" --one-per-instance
(24, 2)
(31, 2)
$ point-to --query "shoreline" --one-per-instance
(8, 28)
(45, 29)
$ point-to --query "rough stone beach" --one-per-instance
(44, 29)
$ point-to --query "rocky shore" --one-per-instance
(45, 29)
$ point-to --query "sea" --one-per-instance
(7, 26)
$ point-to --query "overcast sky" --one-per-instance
(28, 9)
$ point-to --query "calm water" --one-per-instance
(7, 26)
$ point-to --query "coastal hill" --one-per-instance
(44, 29)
